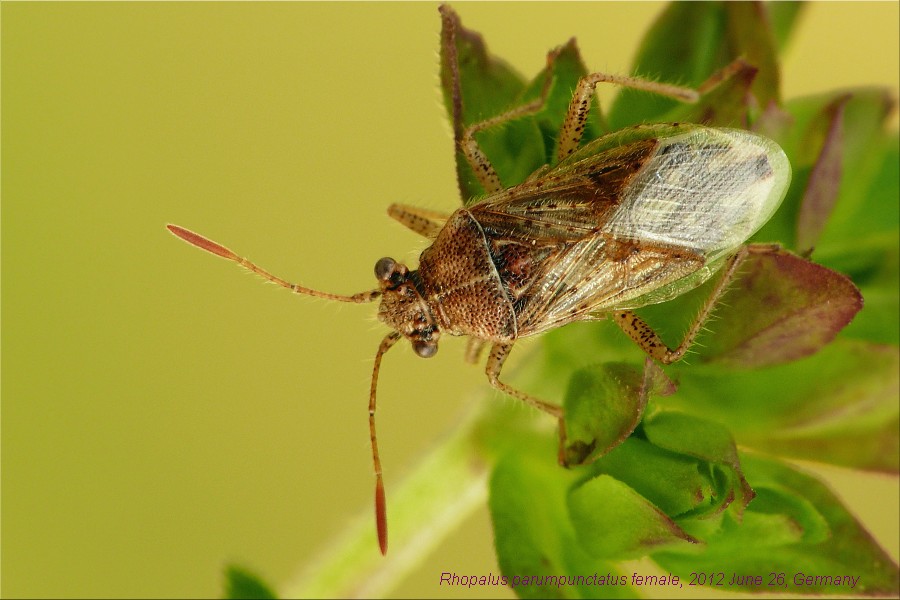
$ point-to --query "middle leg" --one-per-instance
(580, 106)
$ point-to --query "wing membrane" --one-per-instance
(708, 190)
(627, 215)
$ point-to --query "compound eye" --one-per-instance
(425, 349)
(384, 268)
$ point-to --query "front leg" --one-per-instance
(573, 126)
(495, 361)
(475, 156)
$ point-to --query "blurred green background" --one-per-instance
(163, 413)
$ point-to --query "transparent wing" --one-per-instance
(631, 219)
(684, 186)
(708, 190)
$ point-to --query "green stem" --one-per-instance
(447, 485)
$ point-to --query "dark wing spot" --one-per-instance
(761, 167)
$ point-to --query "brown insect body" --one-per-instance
(632, 218)
(557, 248)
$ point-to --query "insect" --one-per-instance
(635, 217)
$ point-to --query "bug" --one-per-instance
(635, 217)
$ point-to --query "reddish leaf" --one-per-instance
(824, 179)
(725, 100)
(750, 35)
(781, 308)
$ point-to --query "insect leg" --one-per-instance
(465, 138)
(495, 361)
(638, 330)
(476, 157)
(380, 504)
(426, 223)
(580, 106)
(474, 346)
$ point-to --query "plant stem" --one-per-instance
(447, 485)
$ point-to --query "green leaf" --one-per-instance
(783, 16)
(719, 34)
(677, 484)
(667, 54)
(477, 86)
(241, 584)
(565, 67)
(864, 228)
(604, 404)
(878, 274)
(533, 535)
(614, 521)
(749, 35)
(867, 248)
(709, 442)
(796, 528)
(725, 103)
(837, 406)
